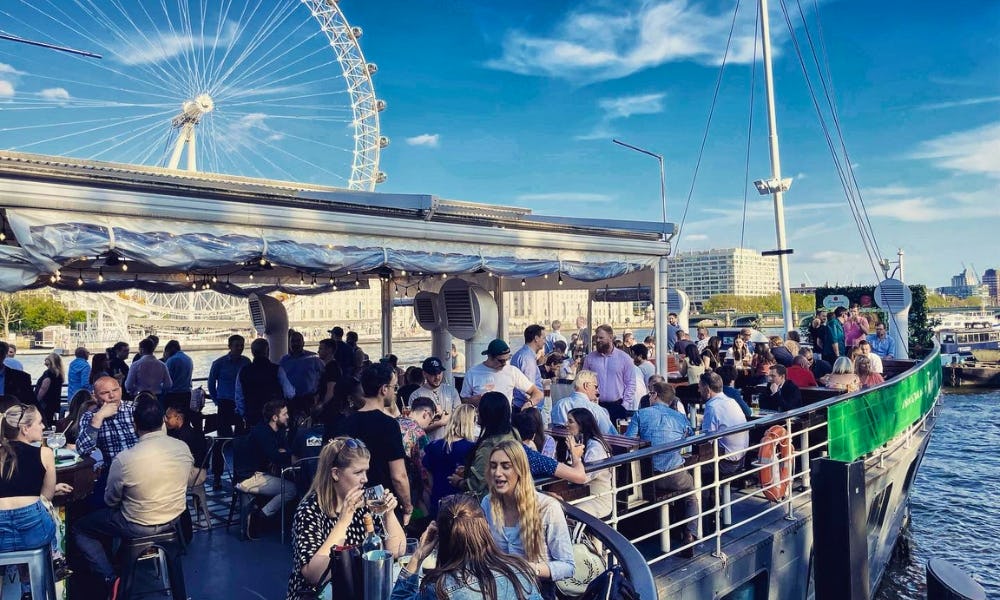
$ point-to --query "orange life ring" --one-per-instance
(775, 457)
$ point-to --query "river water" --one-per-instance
(954, 506)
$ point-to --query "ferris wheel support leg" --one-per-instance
(192, 155)
(185, 137)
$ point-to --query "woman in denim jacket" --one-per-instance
(470, 566)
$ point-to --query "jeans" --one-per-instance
(264, 484)
(682, 481)
(26, 528)
(90, 532)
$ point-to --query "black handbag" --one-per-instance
(610, 585)
(344, 573)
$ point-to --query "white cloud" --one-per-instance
(429, 140)
(696, 237)
(586, 197)
(149, 48)
(958, 103)
(6, 69)
(974, 151)
(602, 43)
(56, 94)
(626, 106)
(622, 107)
(6, 89)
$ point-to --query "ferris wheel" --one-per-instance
(278, 89)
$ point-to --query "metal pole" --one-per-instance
(662, 310)
(779, 209)
(386, 316)
(663, 183)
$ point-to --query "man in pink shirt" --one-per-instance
(615, 373)
(855, 328)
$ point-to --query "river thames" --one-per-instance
(954, 507)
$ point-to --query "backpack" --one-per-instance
(612, 584)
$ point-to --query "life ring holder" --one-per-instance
(775, 456)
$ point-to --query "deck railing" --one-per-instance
(731, 505)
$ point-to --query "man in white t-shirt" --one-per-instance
(495, 374)
(444, 395)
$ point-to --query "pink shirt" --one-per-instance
(853, 332)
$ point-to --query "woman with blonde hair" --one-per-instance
(842, 377)
(524, 521)
(48, 390)
(469, 563)
(863, 369)
(442, 457)
(27, 473)
(333, 512)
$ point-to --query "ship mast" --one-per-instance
(775, 186)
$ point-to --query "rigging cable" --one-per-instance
(708, 125)
(860, 214)
(746, 167)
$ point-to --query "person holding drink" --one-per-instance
(470, 565)
(333, 514)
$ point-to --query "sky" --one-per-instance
(517, 102)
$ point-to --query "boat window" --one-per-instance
(753, 589)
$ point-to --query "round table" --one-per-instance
(80, 475)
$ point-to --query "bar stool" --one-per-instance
(168, 545)
(39, 561)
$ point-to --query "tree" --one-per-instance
(756, 304)
(10, 312)
(39, 311)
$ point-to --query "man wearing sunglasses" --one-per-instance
(381, 433)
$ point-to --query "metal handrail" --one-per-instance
(621, 549)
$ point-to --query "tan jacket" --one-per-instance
(149, 480)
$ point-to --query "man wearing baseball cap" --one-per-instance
(444, 395)
(495, 374)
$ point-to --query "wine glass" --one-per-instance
(375, 498)
(56, 441)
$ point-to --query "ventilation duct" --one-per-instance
(430, 316)
(895, 298)
(470, 314)
(678, 302)
(270, 319)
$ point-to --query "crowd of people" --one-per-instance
(454, 463)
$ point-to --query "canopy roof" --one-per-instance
(70, 221)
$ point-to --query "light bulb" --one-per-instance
(523, 282)
(124, 266)
(100, 275)
(251, 277)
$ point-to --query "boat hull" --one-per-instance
(966, 376)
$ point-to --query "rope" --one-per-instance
(746, 167)
(708, 125)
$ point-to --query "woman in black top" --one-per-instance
(27, 473)
(48, 390)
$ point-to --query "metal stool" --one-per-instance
(39, 561)
(168, 556)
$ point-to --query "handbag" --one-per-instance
(612, 584)
(342, 574)
(588, 565)
(197, 399)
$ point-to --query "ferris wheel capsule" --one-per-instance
(380, 105)
(380, 177)
(383, 142)
(357, 32)
(372, 68)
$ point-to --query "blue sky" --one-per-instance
(517, 102)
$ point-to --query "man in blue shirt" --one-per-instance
(303, 369)
(178, 395)
(883, 345)
(222, 389)
(659, 424)
(78, 373)
(526, 361)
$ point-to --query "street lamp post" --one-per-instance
(663, 183)
(660, 290)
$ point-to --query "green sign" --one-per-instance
(860, 425)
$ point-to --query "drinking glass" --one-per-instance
(375, 498)
(56, 441)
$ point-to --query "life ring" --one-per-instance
(775, 456)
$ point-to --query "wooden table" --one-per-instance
(80, 475)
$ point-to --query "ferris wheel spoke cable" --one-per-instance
(135, 134)
(258, 37)
(91, 130)
(269, 75)
(256, 68)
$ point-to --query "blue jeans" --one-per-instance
(26, 528)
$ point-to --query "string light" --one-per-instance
(523, 282)
(215, 277)
(187, 276)
(302, 279)
(79, 279)
(100, 275)
(444, 276)
(124, 265)
(251, 277)
(560, 279)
